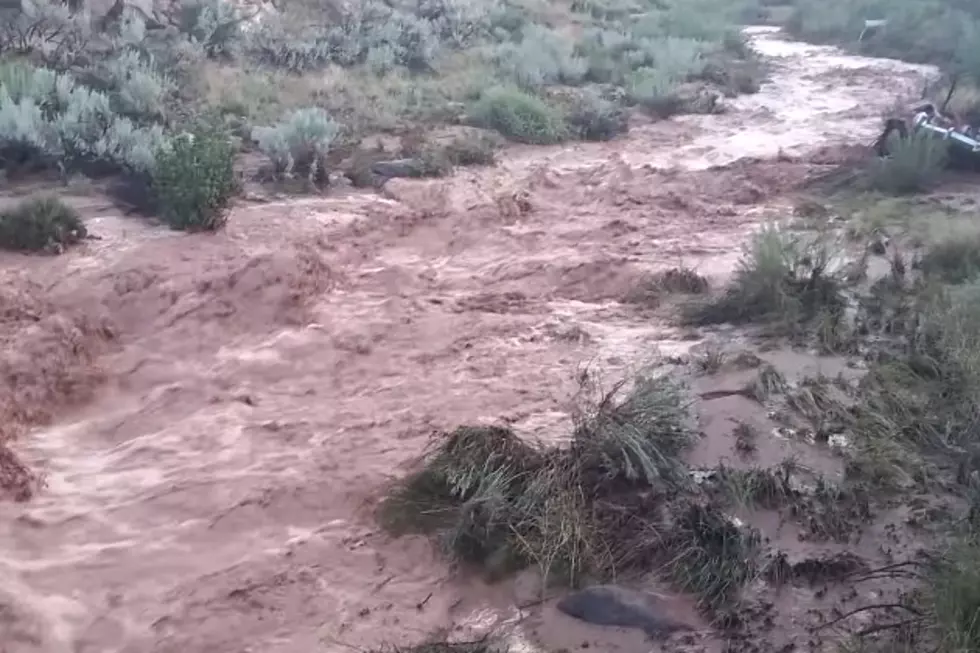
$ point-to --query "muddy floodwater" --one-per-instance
(259, 388)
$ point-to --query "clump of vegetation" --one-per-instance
(766, 384)
(40, 223)
(593, 118)
(713, 557)
(299, 144)
(616, 501)
(954, 598)
(472, 149)
(652, 288)
(924, 31)
(655, 91)
(781, 278)
(519, 116)
(954, 258)
(913, 165)
(193, 181)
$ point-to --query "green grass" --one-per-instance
(782, 278)
(953, 258)
(955, 599)
(913, 165)
(927, 31)
(616, 502)
(519, 116)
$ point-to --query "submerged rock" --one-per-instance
(609, 605)
(406, 168)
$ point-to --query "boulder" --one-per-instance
(611, 605)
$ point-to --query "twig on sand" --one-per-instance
(866, 608)
(871, 630)
(896, 569)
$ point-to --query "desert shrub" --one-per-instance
(606, 51)
(193, 180)
(51, 31)
(40, 223)
(473, 149)
(780, 278)
(304, 50)
(216, 25)
(674, 58)
(51, 119)
(459, 22)
(137, 88)
(299, 144)
(924, 390)
(913, 165)
(955, 258)
(20, 80)
(655, 91)
(500, 503)
(543, 57)
(365, 32)
(593, 118)
(519, 116)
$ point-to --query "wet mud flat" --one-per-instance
(251, 396)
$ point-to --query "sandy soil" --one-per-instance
(215, 415)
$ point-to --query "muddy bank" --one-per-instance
(266, 383)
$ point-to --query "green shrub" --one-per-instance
(48, 118)
(193, 181)
(655, 91)
(593, 118)
(137, 88)
(40, 223)
(519, 116)
(954, 593)
(366, 32)
(913, 165)
(673, 58)
(543, 57)
(214, 24)
(780, 278)
(954, 258)
(299, 144)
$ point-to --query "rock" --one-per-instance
(411, 168)
(610, 605)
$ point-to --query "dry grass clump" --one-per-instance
(653, 288)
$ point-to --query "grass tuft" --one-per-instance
(913, 165)
(953, 259)
(781, 278)
(40, 223)
(616, 501)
